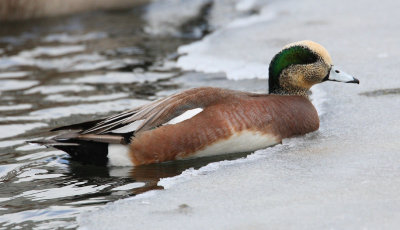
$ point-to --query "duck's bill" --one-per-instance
(338, 75)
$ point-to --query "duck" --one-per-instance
(208, 121)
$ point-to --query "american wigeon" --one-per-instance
(209, 121)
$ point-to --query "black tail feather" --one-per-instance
(87, 152)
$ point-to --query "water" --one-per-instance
(71, 69)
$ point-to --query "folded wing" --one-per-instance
(154, 114)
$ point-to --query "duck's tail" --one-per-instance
(88, 149)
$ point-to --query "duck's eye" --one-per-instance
(337, 71)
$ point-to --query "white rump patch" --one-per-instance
(245, 141)
(184, 116)
(118, 155)
(129, 127)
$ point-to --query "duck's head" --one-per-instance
(300, 65)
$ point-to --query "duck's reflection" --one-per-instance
(149, 174)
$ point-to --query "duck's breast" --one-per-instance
(292, 115)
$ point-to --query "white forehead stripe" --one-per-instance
(317, 48)
(184, 116)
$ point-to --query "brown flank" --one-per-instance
(232, 112)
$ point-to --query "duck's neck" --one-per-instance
(273, 89)
(286, 87)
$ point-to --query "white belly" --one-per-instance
(245, 141)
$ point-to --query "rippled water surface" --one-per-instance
(64, 70)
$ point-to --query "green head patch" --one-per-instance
(289, 56)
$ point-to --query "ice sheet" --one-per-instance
(166, 17)
(344, 176)
(234, 48)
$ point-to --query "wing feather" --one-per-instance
(158, 112)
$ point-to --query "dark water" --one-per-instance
(64, 70)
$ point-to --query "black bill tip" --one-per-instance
(355, 80)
